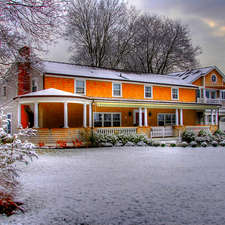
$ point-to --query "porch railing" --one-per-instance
(212, 101)
(112, 130)
(162, 131)
(197, 128)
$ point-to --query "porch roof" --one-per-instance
(53, 95)
(155, 104)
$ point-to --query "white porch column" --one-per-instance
(181, 117)
(212, 122)
(216, 116)
(36, 115)
(146, 117)
(85, 115)
(177, 119)
(66, 115)
(19, 114)
(205, 119)
(140, 117)
(90, 115)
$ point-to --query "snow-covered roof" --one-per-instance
(67, 69)
(190, 76)
(51, 92)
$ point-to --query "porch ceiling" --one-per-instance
(160, 105)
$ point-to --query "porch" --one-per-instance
(50, 137)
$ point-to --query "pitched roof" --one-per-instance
(190, 76)
(67, 69)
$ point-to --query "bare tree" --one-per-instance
(162, 45)
(26, 22)
(100, 31)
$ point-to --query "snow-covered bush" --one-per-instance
(163, 144)
(214, 143)
(204, 144)
(222, 143)
(206, 135)
(193, 144)
(12, 150)
(156, 144)
(188, 136)
(173, 144)
(121, 138)
(184, 144)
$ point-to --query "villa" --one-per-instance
(57, 99)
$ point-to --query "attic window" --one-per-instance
(213, 78)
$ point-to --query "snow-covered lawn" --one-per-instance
(124, 185)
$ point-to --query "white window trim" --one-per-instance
(212, 76)
(4, 87)
(151, 91)
(165, 118)
(103, 117)
(120, 89)
(36, 82)
(177, 94)
(75, 86)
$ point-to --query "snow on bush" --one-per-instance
(163, 144)
(12, 150)
(189, 136)
(214, 143)
(193, 144)
(118, 139)
(184, 144)
(222, 143)
(173, 144)
(204, 144)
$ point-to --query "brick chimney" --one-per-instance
(23, 75)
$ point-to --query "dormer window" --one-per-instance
(34, 85)
(213, 78)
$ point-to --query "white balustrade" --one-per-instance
(162, 131)
(112, 130)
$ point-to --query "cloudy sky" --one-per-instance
(205, 18)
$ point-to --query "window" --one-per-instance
(4, 92)
(107, 119)
(223, 94)
(213, 78)
(117, 90)
(34, 85)
(198, 93)
(175, 93)
(80, 87)
(9, 125)
(211, 94)
(148, 92)
(166, 119)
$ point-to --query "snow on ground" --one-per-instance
(124, 185)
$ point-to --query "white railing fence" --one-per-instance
(112, 130)
(197, 128)
(162, 131)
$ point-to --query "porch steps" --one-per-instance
(167, 140)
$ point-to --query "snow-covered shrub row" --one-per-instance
(12, 150)
(204, 138)
(122, 139)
